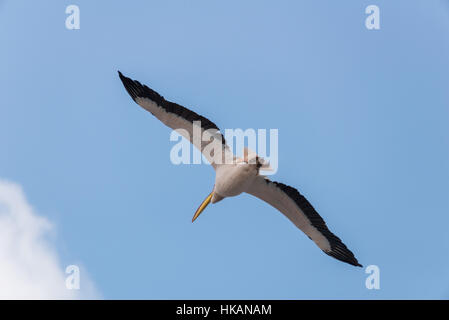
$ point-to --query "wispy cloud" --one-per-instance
(29, 263)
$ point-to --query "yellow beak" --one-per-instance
(202, 206)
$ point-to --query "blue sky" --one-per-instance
(362, 118)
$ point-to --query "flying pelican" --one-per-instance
(241, 175)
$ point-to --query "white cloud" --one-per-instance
(29, 263)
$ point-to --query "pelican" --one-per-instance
(241, 174)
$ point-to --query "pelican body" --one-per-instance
(230, 181)
(234, 179)
(240, 175)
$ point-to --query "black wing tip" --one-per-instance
(345, 256)
(122, 77)
(356, 264)
(129, 85)
(134, 88)
(137, 90)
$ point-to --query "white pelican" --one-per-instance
(243, 174)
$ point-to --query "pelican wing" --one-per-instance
(209, 140)
(299, 211)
